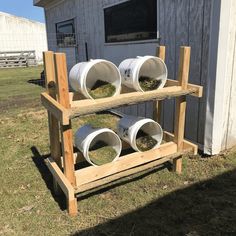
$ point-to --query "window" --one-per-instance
(65, 33)
(131, 21)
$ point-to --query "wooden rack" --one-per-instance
(62, 107)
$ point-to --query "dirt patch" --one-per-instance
(144, 141)
(101, 154)
(148, 83)
(19, 102)
(102, 89)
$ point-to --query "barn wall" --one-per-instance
(224, 122)
(181, 22)
(58, 12)
(18, 34)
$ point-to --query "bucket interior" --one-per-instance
(149, 136)
(104, 148)
(103, 73)
(154, 68)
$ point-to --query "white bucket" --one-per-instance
(132, 69)
(87, 136)
(129, 126)
(84, 75)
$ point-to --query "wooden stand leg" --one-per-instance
(72, 207)
(66, 131)
(177, 165)
(157, 105)
(180, 110)
(53, 124)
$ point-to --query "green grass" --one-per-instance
(16, 92)
(201, 201)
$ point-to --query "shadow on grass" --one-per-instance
(205, 208)
(39, 82)
(38, 160)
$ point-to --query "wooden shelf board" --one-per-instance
(137, 169)
(89, 106)
(94, 173)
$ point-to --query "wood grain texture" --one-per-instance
(198, 89)
(91, 106)
(158, 105)
(92, 173)
(178, 27)
(100, 183)
(196, 18)
(180, 110)
(66, 130)
(181, 101)
(54, 133)
(65, 185)
(56, 109)
(207, 9)
(168, 38)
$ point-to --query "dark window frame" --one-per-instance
(65, 39)
(131, 32)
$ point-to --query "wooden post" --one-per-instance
(54, 134)
(157, 106)
(66, 131)
(180, 110)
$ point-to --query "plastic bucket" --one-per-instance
(132, 69)
(129, 126)
(84, 75)
(86, 137)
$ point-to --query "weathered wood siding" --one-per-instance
(180, 22)
(187, 22)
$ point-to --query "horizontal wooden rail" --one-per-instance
(169, 137)
(88, 106)
(93, 173)
(55, 108)
(117, 176)
(63, 182)
(198, 89)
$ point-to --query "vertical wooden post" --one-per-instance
(157, 105)
(54, 134)
(180, 110)
(66, 131)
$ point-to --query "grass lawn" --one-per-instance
(199, 202)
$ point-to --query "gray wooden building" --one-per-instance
(118, 29)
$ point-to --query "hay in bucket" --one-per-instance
(101, 154)
(148, 83)
(145, 142)
(102, 89)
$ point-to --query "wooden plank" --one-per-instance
(63, 182)
(124, 163)
(65, 185)
(91, 106)
(169, 137)
(54, 133)
(158, 105)
(198, 89)
(196, 18)
(55, 108)
(181, 104)
(205, 66)
(66, 130)
(168, 38)
(126, 173)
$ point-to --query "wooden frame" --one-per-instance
(62, 108)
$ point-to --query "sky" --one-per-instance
(23, 8)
